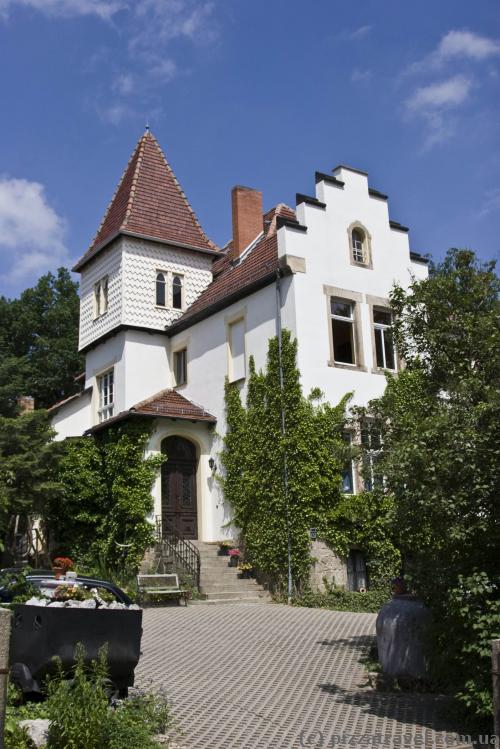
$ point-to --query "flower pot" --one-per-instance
(233, 561)
(59, 572)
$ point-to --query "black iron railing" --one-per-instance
(184, 553)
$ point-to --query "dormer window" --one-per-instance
(177, 292)
(161, 286)
(359, 245)
(358, 249)
(100, 297)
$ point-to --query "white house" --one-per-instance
(166, 315)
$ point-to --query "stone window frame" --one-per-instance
(164, 273)
(381, 303)
(229, 320)
(355, 298)
(175, 274)
(367, 245)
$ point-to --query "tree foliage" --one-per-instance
(313, 453)
(106, 497)
(39, 343)
(27, 461)
(440, 461)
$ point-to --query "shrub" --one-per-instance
(338, 599)
(81, 717)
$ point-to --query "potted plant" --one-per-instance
(224, 547)
(60, 565)
(234, 556)
(245, 569)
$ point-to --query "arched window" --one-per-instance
(358, 246)
(160, 290)
(177, 292)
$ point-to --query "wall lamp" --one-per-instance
(211, 463)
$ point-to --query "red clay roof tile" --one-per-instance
(149, 201)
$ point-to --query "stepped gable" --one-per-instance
(231, 278)
(149, 202)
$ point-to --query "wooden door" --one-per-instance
(179, 502)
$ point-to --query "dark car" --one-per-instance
(37, 577)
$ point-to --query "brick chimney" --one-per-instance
(247, 217)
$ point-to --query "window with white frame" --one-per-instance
(347, 477)
(180, 367)
(101, 297)
(343, 330)
(236, 334)
(371, 442)
(358, 246)
(161, 290)
(385, 354)
(177, 292)
(106, 389)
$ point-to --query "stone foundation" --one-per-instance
(327, 565)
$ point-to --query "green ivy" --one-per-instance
(106, 497)
(314, 453)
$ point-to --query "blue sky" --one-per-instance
(257, 93)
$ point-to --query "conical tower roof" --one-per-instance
(149, 202)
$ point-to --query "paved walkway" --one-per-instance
(250, 676)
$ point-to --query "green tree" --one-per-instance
(39, 343)
(27, 467)
(440, 461)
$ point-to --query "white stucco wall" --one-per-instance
(326, 250)
(74, 418)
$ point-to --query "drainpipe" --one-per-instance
(283, 434)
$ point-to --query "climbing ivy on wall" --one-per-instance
(254, 456)
(105, 497)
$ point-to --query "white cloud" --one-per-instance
(125, 84)
(104, 9)
(32, 235)
(361, 76)
(491, 203)
(433, 104)
(457, 45)
(466, 44)
(360, 33)
(442, 95)
(147, 30)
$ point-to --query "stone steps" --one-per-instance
(219, 583)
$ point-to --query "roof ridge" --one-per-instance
(181, 191)
(140, 148)
(115, 194)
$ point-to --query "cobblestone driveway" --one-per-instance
(255, 676)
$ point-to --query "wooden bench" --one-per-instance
(166, 586)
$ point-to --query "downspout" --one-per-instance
(283, 433)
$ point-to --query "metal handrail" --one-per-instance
(186, 554)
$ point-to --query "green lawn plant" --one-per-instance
(81, 715)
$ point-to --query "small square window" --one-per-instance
(180, 367)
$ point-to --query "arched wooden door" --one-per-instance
(178, 487)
